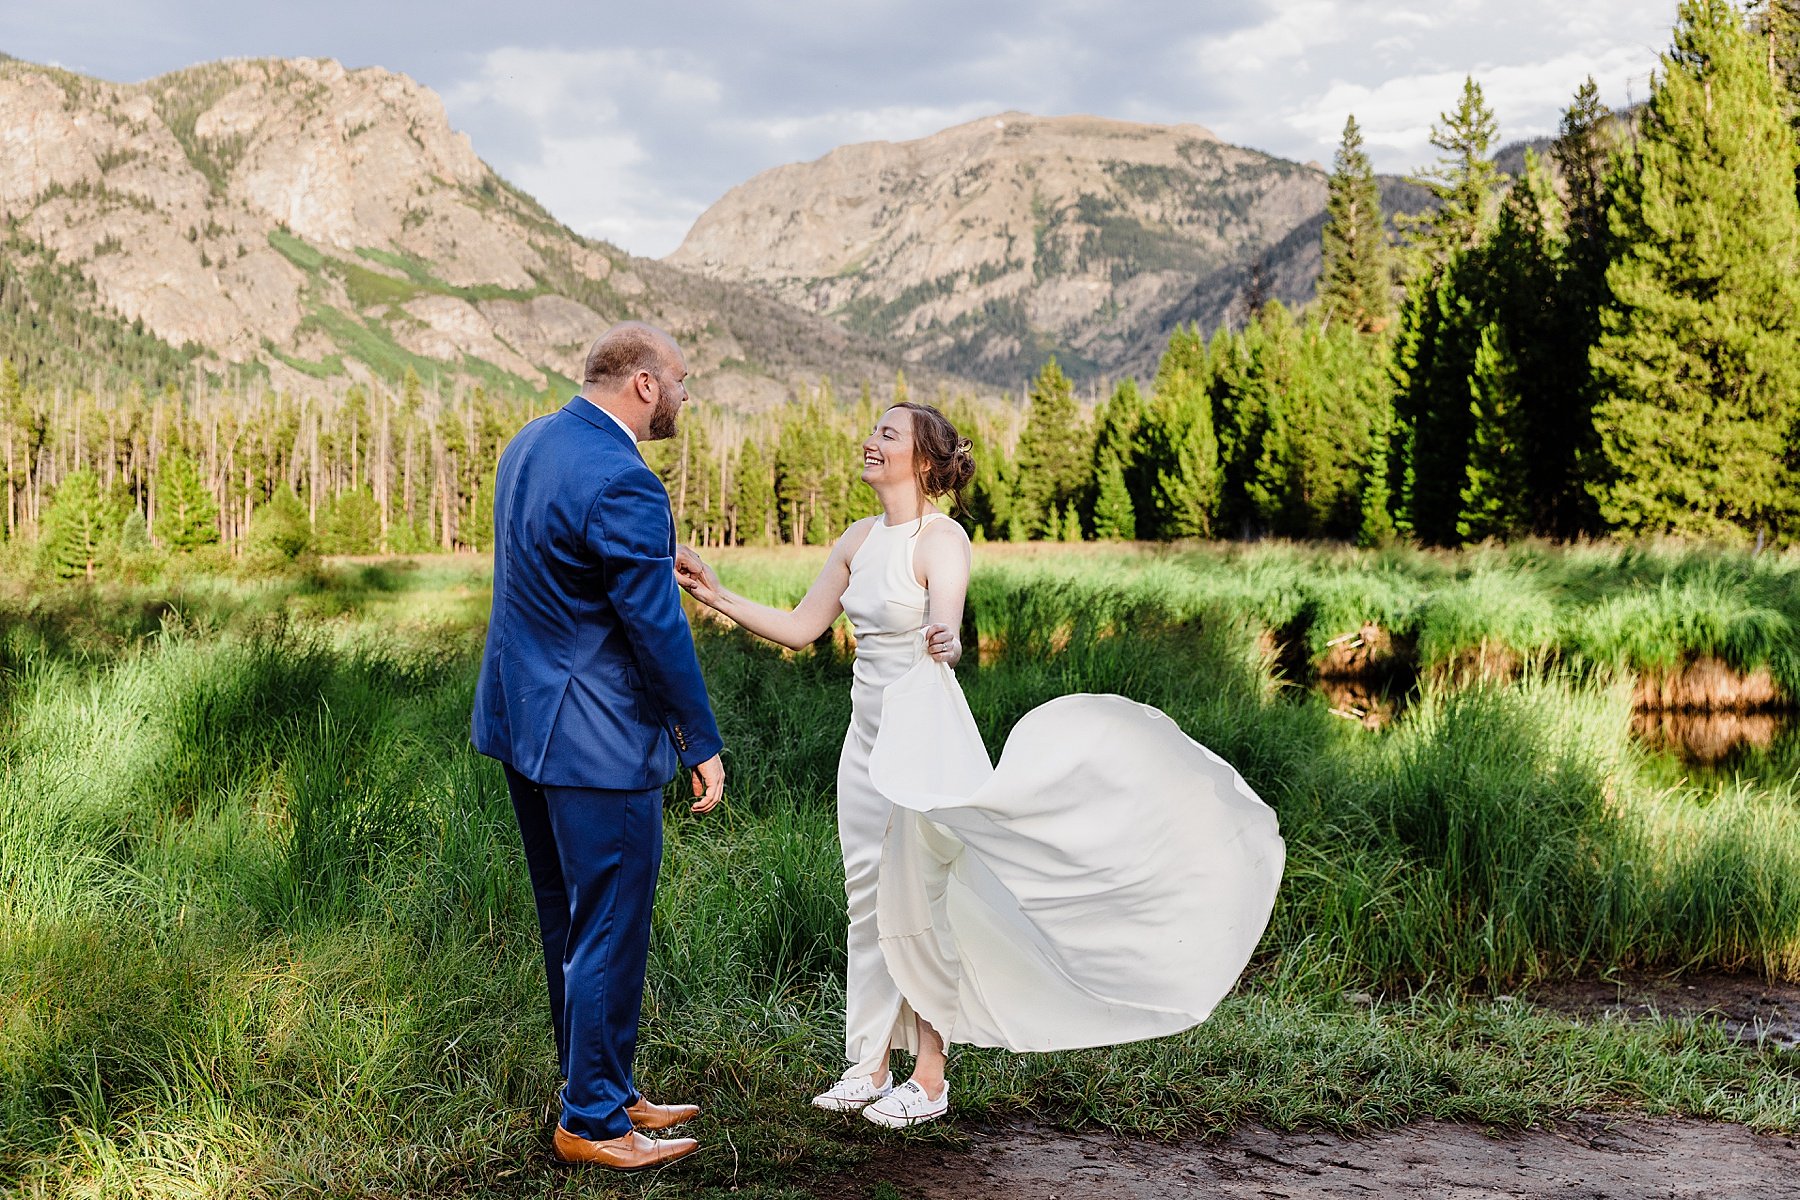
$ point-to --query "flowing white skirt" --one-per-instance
(1106, 882)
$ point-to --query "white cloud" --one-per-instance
(633, 142)
(1289, 82)
(1527, 98)
(1282, 41)
(577, 148)
(582, 144)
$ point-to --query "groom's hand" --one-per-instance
(709, 784)
(692, 573)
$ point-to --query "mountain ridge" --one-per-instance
(992, 243)
(326, 226)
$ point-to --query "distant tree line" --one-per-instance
(1608, 343)
(93, 484)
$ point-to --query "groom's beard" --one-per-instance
(663, 418)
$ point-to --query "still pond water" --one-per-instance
(1702, 745)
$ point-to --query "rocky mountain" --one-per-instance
(982, 248)
(322, 226)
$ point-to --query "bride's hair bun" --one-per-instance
(945, 459)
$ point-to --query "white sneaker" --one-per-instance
(851, 1095)
(908, 1105)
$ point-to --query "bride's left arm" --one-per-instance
(943, 561)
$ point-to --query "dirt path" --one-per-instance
(1585, 1159)
(1751, 1010)
(1588, 1158)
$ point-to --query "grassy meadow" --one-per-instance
(265, 928)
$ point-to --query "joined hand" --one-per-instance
(695, 577)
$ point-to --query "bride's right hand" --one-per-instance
(696, 577)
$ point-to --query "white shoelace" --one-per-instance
(910, 1096)
(860, 1088)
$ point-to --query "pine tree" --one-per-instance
(1355, 286)
(1777, 23)
(809, 458)
(1114, 517)
(12, 390)
(1375, 526)
(352, 525)
(1300, 402)
(137, 559)
(279, 533)
(821, 530)
(479, 533)
(990, 494)
(1525, 375)
(1274, 385)
(1434, 357)
(752, 494)
(412, 392)
(1186, 362)
(1266, 407)
(1350, 410)
(81, 528)
(186, 515)
(1116, 424)
(1116, 428)
(1055, 463)
(1178, 447)
(134, 535)
(1441, 321)
(1496, 497)
(1464, 181)
(14, 420)
(1696, 358)
(1584, 151)
(1071, 525)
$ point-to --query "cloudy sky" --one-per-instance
(627, 120)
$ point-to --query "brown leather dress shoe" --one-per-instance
(645, 1115)
(633, 1152)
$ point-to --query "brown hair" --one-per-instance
(944, 460)
(623, 351)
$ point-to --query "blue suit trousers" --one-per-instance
(594, 854)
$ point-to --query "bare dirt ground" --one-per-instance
(1751, 1009)
(1587, 1158)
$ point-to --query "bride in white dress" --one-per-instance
(1105, 882)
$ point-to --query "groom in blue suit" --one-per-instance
(589, 694)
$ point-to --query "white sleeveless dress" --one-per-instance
(1106, 882)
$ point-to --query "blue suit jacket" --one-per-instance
(589, 678)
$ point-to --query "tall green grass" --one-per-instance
(265, 928)
(1600, 608)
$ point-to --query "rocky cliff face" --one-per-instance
(986, 246)
(327, 224)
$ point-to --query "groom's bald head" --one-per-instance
(624, 350)
(636, 372)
